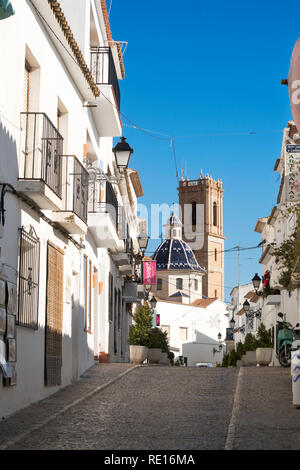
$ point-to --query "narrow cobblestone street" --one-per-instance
(162, 408)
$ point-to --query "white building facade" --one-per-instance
(193, 329)
(276, 229)
(69, 222)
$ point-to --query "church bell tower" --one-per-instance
(205, 196)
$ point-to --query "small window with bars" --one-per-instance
(28, 282)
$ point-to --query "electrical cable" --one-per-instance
(153, 134)
(109, 8)
(233, 249)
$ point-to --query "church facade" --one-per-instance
(179, 276)
(203, 199)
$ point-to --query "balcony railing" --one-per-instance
(104, 71)
(41, 151)
(76, 187)
(104, 201)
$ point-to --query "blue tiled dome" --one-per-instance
(175, 254)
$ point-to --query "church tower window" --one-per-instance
(179, 283)
(194, 213)
(215, 214)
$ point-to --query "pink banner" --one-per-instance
(149, 272)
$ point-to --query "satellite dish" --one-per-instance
(294, 84)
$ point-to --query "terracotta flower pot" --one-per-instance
(104, 357)
(138, 354)
(264, 356)
(154, 355)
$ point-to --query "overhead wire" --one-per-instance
(233, 249)
(150, 133)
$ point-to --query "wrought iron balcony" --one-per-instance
(73, 216)
(104, 71)
(77, 187)
(104, 201)
(41, 151)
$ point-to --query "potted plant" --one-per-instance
(157, 345)
(249, 347)
(264, 351)
(139, 333)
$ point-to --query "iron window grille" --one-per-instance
(28, 280)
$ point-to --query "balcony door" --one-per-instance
(54, 316)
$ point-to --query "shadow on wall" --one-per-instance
(44, 363)
(8, 156)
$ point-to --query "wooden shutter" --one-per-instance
(54, 316)
(27, 88)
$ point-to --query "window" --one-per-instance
(215, 214)
(216, 293)
(179, 283)
(167, 329)
(194, 213)
(216, 254)
(87, 279)
(28, 288)
(196, 284)
(159, 284)
(183, 333)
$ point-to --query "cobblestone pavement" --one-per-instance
(149, 408)
(164, 408)
(267, 419)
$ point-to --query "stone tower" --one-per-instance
(203, 199)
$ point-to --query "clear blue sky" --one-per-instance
(209, 67)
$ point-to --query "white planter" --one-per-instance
(138, 354)
(164, 359)
(249, 359)
(264, 356)
(154, 355)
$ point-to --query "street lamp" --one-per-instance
(232, 323)
(251, 313)
(220, 348)
(153, 303)
(143, 240)
(122, 152)
(256, 282)
(147, 289)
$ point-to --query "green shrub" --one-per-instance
(233, 357)
(158, 339)
(139, 333)
(264, 338)
(240, 349)
(171, 356)
(250, 343)
(225, 360)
